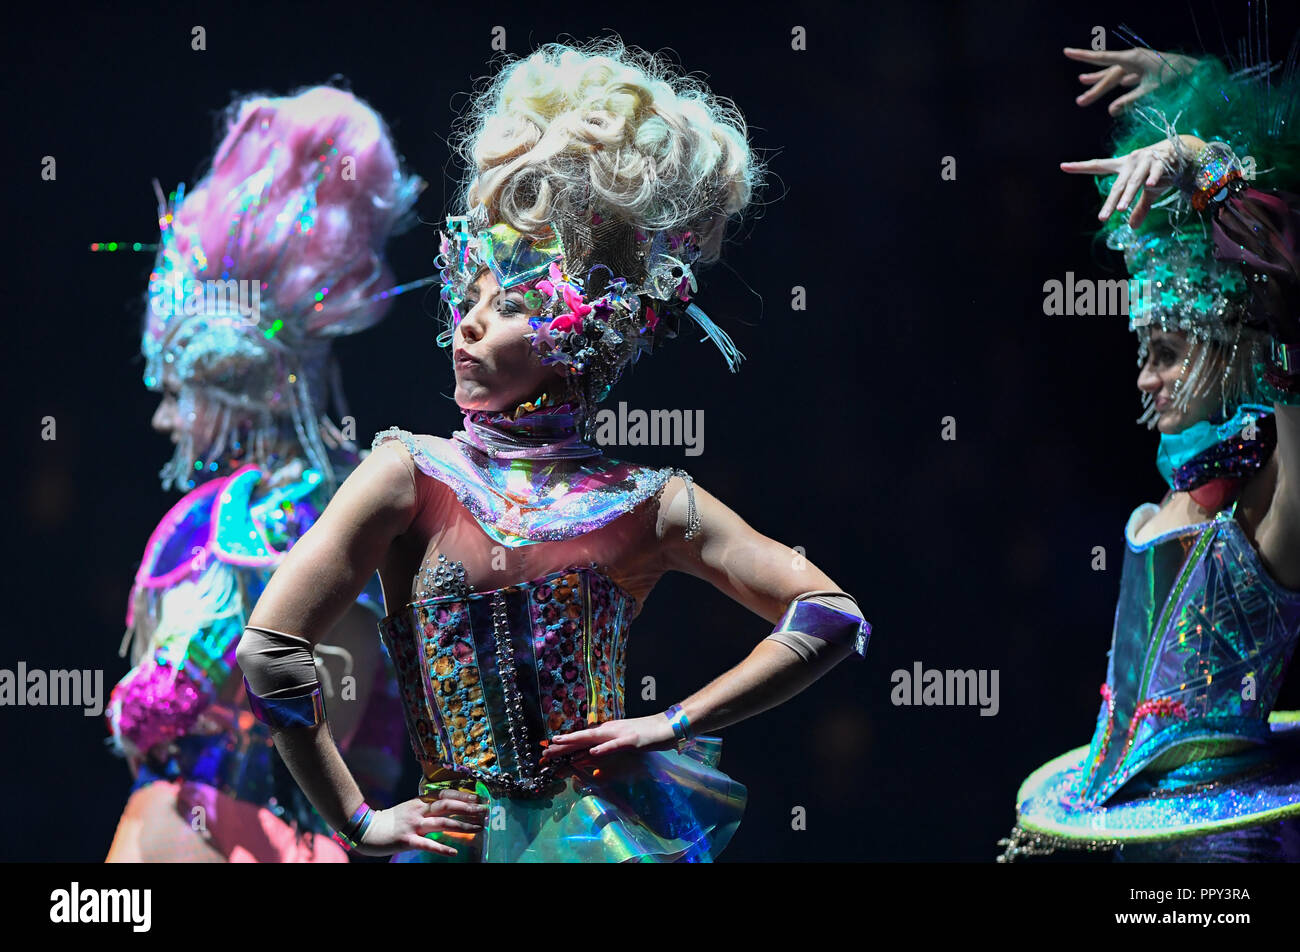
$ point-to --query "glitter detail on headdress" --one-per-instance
(257, 354)
(606, 291)
(1177, 284)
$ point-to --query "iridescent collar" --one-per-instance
(533, 497)
(537, 430)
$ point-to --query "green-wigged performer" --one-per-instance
(1189, 761)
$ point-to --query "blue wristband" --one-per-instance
(681, 725)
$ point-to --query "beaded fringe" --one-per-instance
(1023, 842)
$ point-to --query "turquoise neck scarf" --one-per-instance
(1207, 450)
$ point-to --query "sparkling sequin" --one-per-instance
(524, 501)
(1202, 641)
(487, 676)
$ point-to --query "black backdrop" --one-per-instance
(924, 301)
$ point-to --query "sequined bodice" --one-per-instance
(487, 676)
(1201, 643)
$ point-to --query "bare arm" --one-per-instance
(1258, 229)
(318, 581)
(760, 574)
(1279, 532)
(764, 576)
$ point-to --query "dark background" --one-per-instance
(924, 301)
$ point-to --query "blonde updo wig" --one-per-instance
(606, 126)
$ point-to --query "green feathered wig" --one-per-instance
(1177, 282)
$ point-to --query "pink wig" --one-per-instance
(303, 194)
(360, 198)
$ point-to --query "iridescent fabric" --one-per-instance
(1209, 450)
(1209, 796)
(179, 713)
(514, 258)
(1273, 843)
(546, 486)
(1184, 742)
(657, 807)
(488, 677)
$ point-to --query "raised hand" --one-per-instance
(1139, 69)
(1148, 169)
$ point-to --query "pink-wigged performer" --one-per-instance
(276, 252)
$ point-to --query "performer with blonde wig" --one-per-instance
(515, 554)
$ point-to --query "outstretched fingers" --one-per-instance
(1101, 83)
(1096, 57)
(1136, 176)
(1092, 167)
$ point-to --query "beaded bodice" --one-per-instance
(1201, 643)
(486, 677)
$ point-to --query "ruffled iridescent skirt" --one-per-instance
(646, 807)
(1257, 787)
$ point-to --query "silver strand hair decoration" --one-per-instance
(1225, 380)
(1189, 382)
(309, 435)
(1149, 415)
(1130, 37)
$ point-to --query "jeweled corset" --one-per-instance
(485, 677)
(1201, 644)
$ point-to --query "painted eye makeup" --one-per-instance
(504, 305)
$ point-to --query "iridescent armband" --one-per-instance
(302, 710)
(827, 624)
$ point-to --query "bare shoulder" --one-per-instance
(383, 482)
(692, 522)
(670, 505)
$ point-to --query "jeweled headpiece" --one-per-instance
(1177, 284)
(606, 292)
(277, 251)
